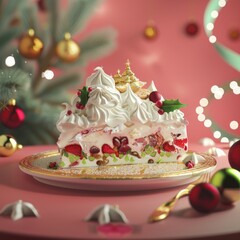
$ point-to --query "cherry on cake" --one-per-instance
(117, 121)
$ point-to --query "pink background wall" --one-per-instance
(182, 67)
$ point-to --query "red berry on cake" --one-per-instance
(69, 112)
(73, 164)
(159, 103)
(90, 89)
(155, 96)
(160, 111)
(74, 149)
(79, 93)
(124, 140)
(107, 149)
(79, 106)
(168, 147)
(116, 142)
(124, 149)
(94, 150)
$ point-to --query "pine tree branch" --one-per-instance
(59, 84)
(13, 82)
(77, 16)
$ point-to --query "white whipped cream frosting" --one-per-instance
(106, 106)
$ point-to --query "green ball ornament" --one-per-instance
(227, 181)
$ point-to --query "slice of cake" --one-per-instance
(115, 121)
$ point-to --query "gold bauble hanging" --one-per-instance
(150, 31)
(67, 49)
(30, 46)
(8, 145)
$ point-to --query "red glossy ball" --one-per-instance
(155, 96)
(12, 116)
(191, 29)
(204, 197)
(234, 155)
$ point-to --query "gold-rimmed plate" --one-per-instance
(136, 177)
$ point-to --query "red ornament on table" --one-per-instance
(204, 197)
(234, 155)
(12, 116)
(191, 28)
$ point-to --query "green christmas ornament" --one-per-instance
(227, 181)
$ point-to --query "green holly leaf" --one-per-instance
(171, 105)
(84, 96)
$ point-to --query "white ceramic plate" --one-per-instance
(113, 178)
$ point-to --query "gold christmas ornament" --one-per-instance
(12, 102)
(227, 181)
(67, 49)
(8, 145)
(30, 46)
(150, 31)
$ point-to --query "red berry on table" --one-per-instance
(204, 197)
(53, 165)
(189, 164)
(159, 103)
(160, 111)
(116, 142)
(94, 150)
(234, 155)
(155, 96)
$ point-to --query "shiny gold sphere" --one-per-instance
(8, 145)
(227, 181)
(30, 46)
(67, 49)
(151, 31)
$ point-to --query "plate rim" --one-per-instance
(26, 166)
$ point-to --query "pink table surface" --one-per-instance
(62, 211)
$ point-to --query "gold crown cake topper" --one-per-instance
(128, 77)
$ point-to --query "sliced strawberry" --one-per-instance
(168, 147)
(107, 149)
(74, 149)
(179, 142)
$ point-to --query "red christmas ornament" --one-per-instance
(41, 5)
(234, 155)
(12, 116)
(234, 34)
(191, 29)
(204, 197)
